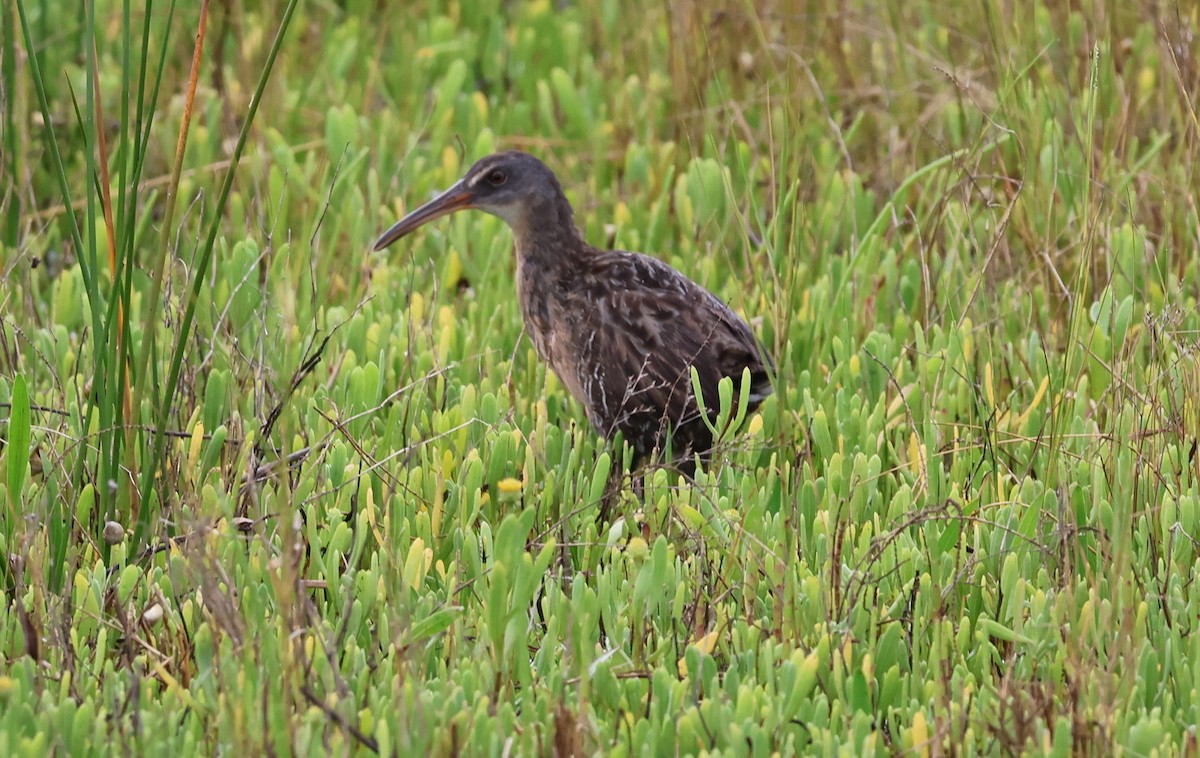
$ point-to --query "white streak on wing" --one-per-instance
(597, 373)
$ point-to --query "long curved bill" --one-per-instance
(456, 198)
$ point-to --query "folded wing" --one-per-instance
(646, 327)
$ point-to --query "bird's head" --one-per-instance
(507, 185)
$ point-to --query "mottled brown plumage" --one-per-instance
(620, 330)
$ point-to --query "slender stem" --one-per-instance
(204, 257)
(160, 264)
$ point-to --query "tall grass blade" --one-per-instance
(10, 203)
(17, 449)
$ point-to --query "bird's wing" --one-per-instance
(649, 326)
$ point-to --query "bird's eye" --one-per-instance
(496, 178)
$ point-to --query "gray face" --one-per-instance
(507, 185)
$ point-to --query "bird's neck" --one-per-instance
(545, 236)
(550, 257)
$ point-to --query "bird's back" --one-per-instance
(629, 330)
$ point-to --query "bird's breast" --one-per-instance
(558, 323)
(536, 306)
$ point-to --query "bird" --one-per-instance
(621, 330)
